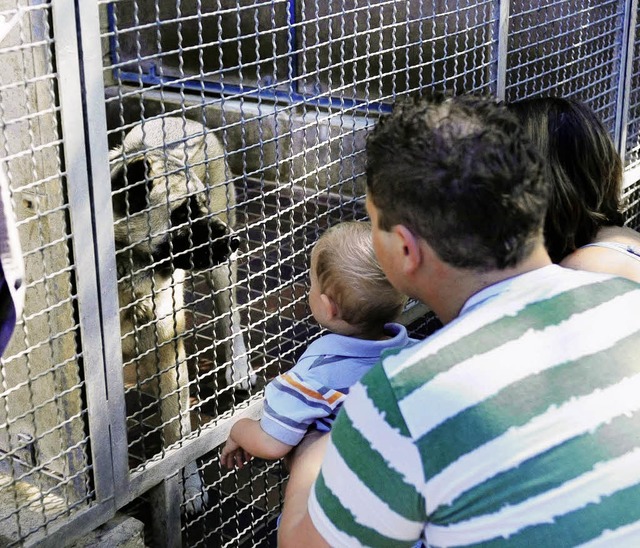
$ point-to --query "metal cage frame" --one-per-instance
(84, 43)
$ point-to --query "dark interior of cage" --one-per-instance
(353, 50)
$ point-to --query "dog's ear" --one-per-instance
(134, 185)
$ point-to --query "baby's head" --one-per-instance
(344, 268)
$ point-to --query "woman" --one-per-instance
(584, 224)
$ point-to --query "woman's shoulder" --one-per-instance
(615, 250)
(618, 234)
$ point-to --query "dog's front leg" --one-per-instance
(175, 416)
(238, 372)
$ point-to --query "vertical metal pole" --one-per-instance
(105, 262)
(79, 191)
(500, 52)
(293, 63)
(626, 70)
(165, 506)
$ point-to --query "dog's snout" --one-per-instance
(200, 243)
(234, 243)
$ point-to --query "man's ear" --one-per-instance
(411, 253)
(330, 307)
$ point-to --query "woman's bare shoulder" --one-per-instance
(606, 260)
(619, 234)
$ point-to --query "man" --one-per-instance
(518, 422)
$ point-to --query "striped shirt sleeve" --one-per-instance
(292, 404)
(369, 489)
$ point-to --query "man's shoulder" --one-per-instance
(516, 335)
(536, 292)
(565, 301)
(575, 294)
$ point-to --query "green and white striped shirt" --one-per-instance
(518, 423)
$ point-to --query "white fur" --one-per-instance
(184, 160)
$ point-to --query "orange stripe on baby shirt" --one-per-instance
(311, 393)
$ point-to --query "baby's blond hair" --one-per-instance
(347, 271)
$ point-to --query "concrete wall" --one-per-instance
(41, 399)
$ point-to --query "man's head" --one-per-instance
(347, 282)
(459, 174)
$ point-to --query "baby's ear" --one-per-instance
(330, 307)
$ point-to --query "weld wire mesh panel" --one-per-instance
(289, 88)
(243, 508)
(325, 54)
(46, 473)
(362, 57)
(632, 205)
(568, 49)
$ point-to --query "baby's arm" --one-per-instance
(233, 455)
(247, 439)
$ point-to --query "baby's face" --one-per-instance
(314, 291)
(316, 304)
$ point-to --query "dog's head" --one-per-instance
(198, 240)
(163, 212)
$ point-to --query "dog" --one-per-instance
(174, 211)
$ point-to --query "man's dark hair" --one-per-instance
(583, 166)
(459, 173)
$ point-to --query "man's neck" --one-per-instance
(456, 285)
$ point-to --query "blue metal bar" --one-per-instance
(112, 34)
(151, 77)
(293, 39)
(227, 90)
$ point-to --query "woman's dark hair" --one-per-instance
(582, 164)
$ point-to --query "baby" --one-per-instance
(351, 297)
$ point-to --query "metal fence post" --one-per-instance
(105, 257)
(501, 50)
(626, 66)
(165, 501)
(79, 189)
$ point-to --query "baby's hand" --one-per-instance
(233, 455)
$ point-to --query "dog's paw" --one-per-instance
(143, 311)
(240, 375)
(195, 494)
(197, 504)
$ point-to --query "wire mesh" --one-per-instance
(291, 174)
(374, 51)
(568, 49)
(45, 469)
(330, 54)
(243, 508)
(290, 89)
(631, 196)
(241, 127)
